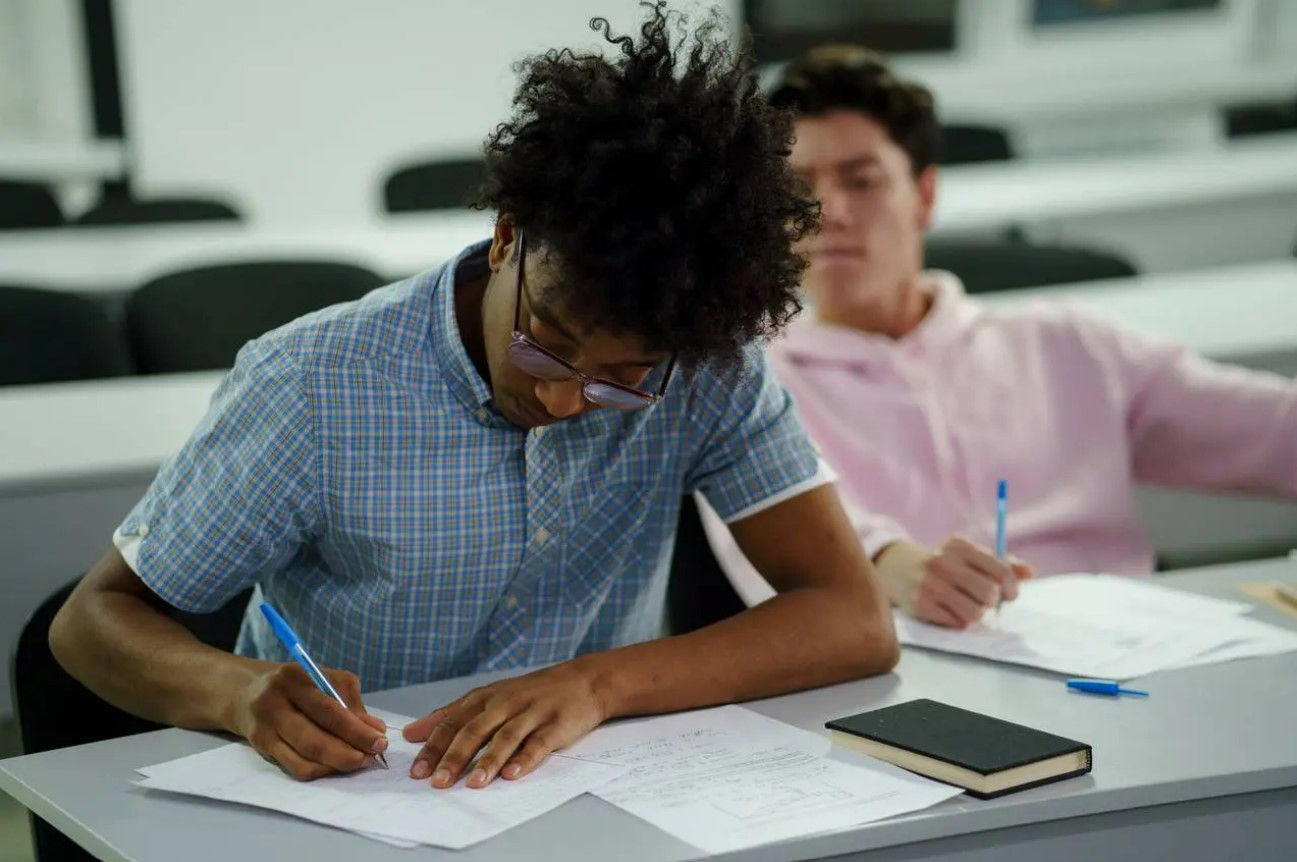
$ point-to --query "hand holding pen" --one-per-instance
(308, 729)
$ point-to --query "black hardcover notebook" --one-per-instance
(986, 756)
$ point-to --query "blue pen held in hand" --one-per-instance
(293, 644)
(1001, 505)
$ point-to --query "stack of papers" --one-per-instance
(728, 778)
(383, 804)
(721, 779)
(1106, 626)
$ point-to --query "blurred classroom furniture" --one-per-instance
(119, 259)
(197, 319)
(1159, 212)
(55, 711)
(969, 143)
(447, 184)
(52, 161)
(28, 205)
(1157, 790)
(48, 337)
(987, 265)
(118, 210)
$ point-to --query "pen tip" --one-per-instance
(383, 760)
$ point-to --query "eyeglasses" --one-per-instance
(534, 360)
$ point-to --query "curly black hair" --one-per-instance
(658, 181)
(854, 78)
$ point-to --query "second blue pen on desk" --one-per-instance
(1103, 686)
(293, 644)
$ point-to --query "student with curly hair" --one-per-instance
(481, 468)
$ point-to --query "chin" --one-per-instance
(840, 289)
(526, 415)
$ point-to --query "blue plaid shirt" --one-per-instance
(352, 466)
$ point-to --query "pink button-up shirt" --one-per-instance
(1070, 409)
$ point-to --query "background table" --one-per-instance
(1205, 768)
(1164, 211)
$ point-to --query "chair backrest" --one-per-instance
(198, 318)
(432, 186)
(1261, 118)
(988, 265)
(963, 144)
(24, 205)
(47, 336)
(56, 711)
(698, 593)
(123, 211)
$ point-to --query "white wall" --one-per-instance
(298, 108)
(43, 91)
(1152, 81)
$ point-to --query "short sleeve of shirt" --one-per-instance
(752, 447)
(239, 498)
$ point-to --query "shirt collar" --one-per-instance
(951, 314)
(448, 347)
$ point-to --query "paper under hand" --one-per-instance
(385, 804)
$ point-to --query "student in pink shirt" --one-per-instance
(921, 398)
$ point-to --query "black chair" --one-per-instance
(990, 265)
(198, 319)
(1261, 118)
(698, 593)
(963, 144)
(47, 336)
(55, 711)
(432, 186)
(26, 205)
(127, 211)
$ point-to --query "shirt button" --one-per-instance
(511, 601)
(480, 413)
(143, 530)
(541, 536)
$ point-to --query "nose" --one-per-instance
(834, 208)
(562, 398)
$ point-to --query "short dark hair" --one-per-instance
(852, 78)
(659, 180)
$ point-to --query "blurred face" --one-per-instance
(529, 401)
(870, 248)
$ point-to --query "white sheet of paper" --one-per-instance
(1105, 626)
(385, 804)
(1100, 597)
(1247, 638)
(728, 778)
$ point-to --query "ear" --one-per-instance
(926, 183)
(503, 244)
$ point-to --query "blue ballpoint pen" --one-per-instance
(1102, 686)
(293, 644)
(1001, 506)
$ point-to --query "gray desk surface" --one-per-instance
(1204, 767)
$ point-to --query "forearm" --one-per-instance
(799, 639)
(132, 655)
